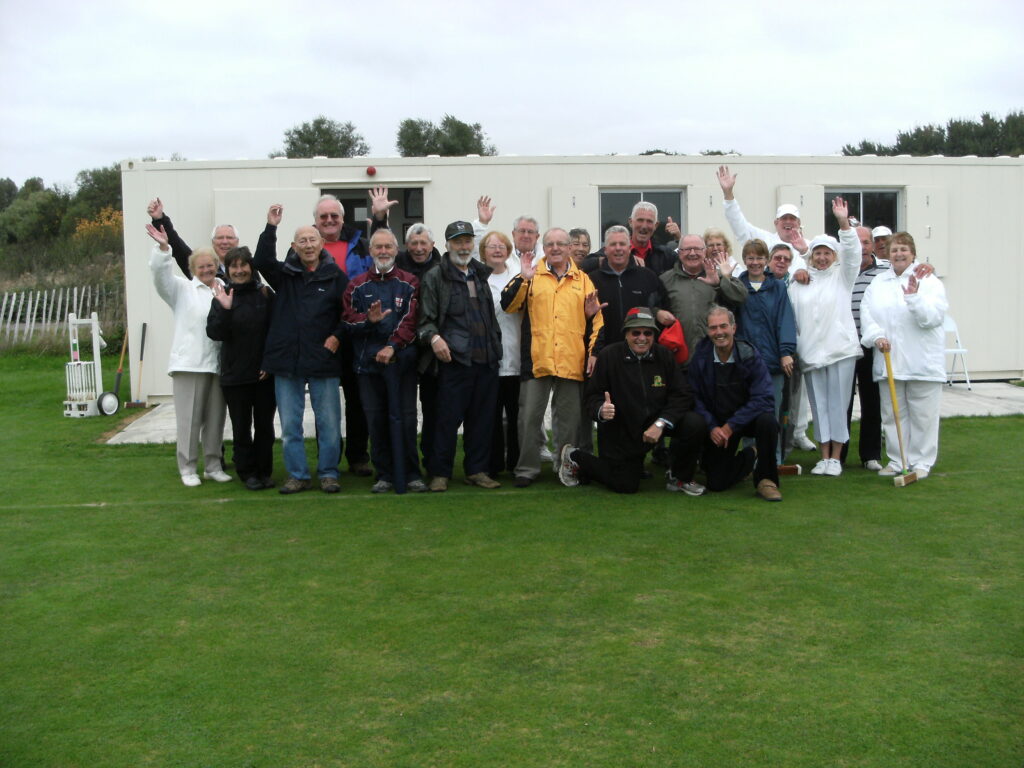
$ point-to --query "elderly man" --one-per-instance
(380, 316)
(880, 237)
(458, 325)
(695, 284)
(643, 221)
(346, 244)
(223, 238)
(562, 318)
(622, 284)
(734, 396)
(302, 348)
(787, 223)
(637, 394)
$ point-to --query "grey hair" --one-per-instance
(419, 228)
(331, 198)
(615, 229)
(384, 233)
(643, 205)
(234, 230)
(718, 309)
(578, 231)
(519, 220)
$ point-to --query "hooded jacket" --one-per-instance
(306, 310)
(766, 320)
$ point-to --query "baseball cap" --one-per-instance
(881, 232)
(639, 317)
(787, 209)
(457, 228)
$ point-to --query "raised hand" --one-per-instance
(379, 203)
(484, 210)
(672, 228)
(159, 235)
(841, 211)
(528, 268)
(155, 209)
(607, 410)
(912, 286)
(274, 214)
(710, 276)
(224, 297)
(591, 305)
(374, 314)
(726, 180)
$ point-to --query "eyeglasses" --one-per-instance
(641, 332)
(326, 216)
(559, 244)
(691, 249)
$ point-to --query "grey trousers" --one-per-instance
(565, 421)
(199, 412)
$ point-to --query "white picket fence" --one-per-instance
(23, 314)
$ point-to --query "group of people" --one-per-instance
(679, 351)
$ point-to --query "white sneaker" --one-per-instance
(889, 471)
(821, 468)
(873, 465)
(801, 442)
(833, 468)
(191, 480)
(219, 475)
(547, 455)
(921, 472)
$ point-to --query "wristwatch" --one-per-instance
(660, 423)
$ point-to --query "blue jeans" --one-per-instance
(326, 401)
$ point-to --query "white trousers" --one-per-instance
(828, 389)
(199, 413)
(919, 418)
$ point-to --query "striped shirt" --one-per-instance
(861, 284)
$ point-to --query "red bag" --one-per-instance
(673, 338)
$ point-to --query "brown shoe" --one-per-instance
(439, 484)
(295, 485)
(329, 485)
(768, 490)
(482, 480)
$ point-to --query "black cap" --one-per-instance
(457, 228)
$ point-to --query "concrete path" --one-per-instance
(985, 399)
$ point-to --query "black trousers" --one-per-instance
(466, 396)
(505, 432)
(251, 408)
(870, 444)
(356, 440)
(621, 470)
(382, 414)
(724, 467)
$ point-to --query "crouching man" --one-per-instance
(734, 396)
(637, 393)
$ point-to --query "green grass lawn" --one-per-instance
(854, 624)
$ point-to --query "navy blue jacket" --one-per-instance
(766, 320)
(306, 310)
(761, 398)
(397, 291)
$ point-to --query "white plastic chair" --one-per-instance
(957, 351)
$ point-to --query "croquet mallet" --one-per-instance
(906, 477)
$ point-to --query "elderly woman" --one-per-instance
(904, 315)
(717, 246)
(766, 319)
(827, 341)
(239, 318)
(494, 252)
(194, 362)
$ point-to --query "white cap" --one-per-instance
(881, 232)
(787, 209)
(827, 240)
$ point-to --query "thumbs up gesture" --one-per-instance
(607, 410)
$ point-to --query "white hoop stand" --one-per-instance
(84, 378)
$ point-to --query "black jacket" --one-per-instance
(243, 331)
(417, 270)
(306, 310)
(635, 287)
(642, 391)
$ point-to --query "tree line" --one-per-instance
(987, 137)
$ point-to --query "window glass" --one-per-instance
(872, 208)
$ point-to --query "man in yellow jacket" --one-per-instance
(561, 319)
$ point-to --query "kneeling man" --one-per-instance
(734, 396)
(637, 393)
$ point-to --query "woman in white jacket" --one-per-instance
(904, 315)
(195, 359)
(827, 343)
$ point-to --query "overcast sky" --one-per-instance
(87, 84)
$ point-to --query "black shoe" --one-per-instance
(360, 469)
(268, 482)
(522, 482)
(253, 483)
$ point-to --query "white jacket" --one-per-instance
(509, 323)
(825, 329)
(912, 324)
(192, 350)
